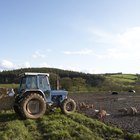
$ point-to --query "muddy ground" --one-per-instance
(112, 103)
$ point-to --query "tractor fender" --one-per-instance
(27, 92)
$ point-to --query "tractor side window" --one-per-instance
(44, 83)
(31, 82)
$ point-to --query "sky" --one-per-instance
(91, 36)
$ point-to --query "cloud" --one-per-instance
(114, 53)
(26, 65)
(38, 54)
(48, 50)
(79, 69)
(80, 52)
(6, 65)
(130, 38)
(124, 45)
(44, 64)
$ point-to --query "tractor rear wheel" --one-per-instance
(68, 106)
(33, 106)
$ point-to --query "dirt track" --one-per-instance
(112, 103)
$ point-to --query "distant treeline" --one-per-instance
(69, 80)
(113, 73)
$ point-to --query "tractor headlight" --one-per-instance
(65, 97)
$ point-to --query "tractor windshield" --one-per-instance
(31, 82)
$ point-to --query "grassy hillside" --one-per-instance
(75, 81)
(121, 82)
(124, 78)
(56, 126)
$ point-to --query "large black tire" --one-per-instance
(68, 106)
(33, 106)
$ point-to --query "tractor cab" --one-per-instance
(34, 81)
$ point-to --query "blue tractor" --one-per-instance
(35, 97)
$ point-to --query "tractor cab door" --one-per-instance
(44, 85)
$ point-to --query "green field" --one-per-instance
(129, 78)
(56, 126)
(121, 82)
(9, 85)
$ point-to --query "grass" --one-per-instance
(56, 126)
(9, 85)
(127, 76)
(124, 78)
(121, 82)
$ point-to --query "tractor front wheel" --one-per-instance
(68, 106)
(33, 106)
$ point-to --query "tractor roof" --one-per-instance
(33, 73)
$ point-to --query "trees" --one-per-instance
(69, 80)
(66, 83)
(75, 84)
(79, 83)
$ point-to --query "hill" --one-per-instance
(57, 126)
(77, 81)
(122, 82)
(69, 80)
